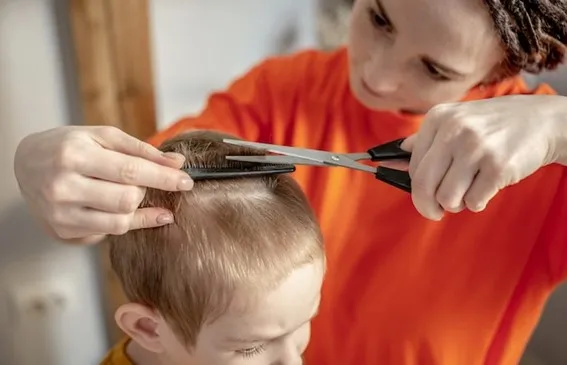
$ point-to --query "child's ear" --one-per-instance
(141, 324)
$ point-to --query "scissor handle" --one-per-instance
(392, 151)
(389, 151)
(397, 178)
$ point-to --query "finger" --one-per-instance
(79, 236)
(151, 218)
(427, 178)
(107, 196)
(408, 143)
(402, 165)
(482, 190)
(396, 164)
(455, 184)
(119, 141)
(78, 239)
(117, 167)
(76, 223)
(92, 222)
(420, 144)
(91, 240)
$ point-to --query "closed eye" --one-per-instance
(434, 72)
(379, 18)
(251, 351)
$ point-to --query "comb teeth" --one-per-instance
(201, 173)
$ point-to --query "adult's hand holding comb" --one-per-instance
(83, 183)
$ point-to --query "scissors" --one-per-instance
(310, 157)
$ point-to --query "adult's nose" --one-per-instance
(382, 76)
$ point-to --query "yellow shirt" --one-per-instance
(117, 355)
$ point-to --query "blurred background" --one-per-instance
(140, 65)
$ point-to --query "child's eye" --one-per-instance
(252, 351)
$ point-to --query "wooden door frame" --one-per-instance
(111, 44)
(112, 51)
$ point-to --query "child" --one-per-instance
(235, 280)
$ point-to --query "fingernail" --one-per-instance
(185, 184)
(165, 219)
(173, 156)
(478, 208)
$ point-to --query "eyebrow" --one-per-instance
(257, 339)
(240, 340)
(445, 69)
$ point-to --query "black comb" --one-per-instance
(249, 170)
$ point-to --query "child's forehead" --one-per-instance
(256, 315)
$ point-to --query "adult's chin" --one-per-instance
(372, 102)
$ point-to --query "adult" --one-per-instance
(402, 287)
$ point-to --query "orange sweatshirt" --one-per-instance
(400, 289)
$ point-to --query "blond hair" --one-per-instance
(236, 233)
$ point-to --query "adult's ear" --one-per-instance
(141, 324)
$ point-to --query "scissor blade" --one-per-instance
(303, 153)
(322, 157)
(357, 156)
(277, 160)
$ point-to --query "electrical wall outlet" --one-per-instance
(40, 312)
(41, 299)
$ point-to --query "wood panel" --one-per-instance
(131, 41)
(111, 41)
(112, 53)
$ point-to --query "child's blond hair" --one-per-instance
(246, 233)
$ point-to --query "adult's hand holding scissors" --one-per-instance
(464, 153)
(83, 183)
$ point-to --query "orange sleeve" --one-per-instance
(254, 105)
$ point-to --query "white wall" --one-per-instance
(201, 45)
(557, 79)
(549, 342)
(33, 98)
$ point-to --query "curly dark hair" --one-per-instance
(533, 33)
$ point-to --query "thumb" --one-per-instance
(396, 165)
(408, 143)
(151, 218)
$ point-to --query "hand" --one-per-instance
(464, 153)
(83, 183)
